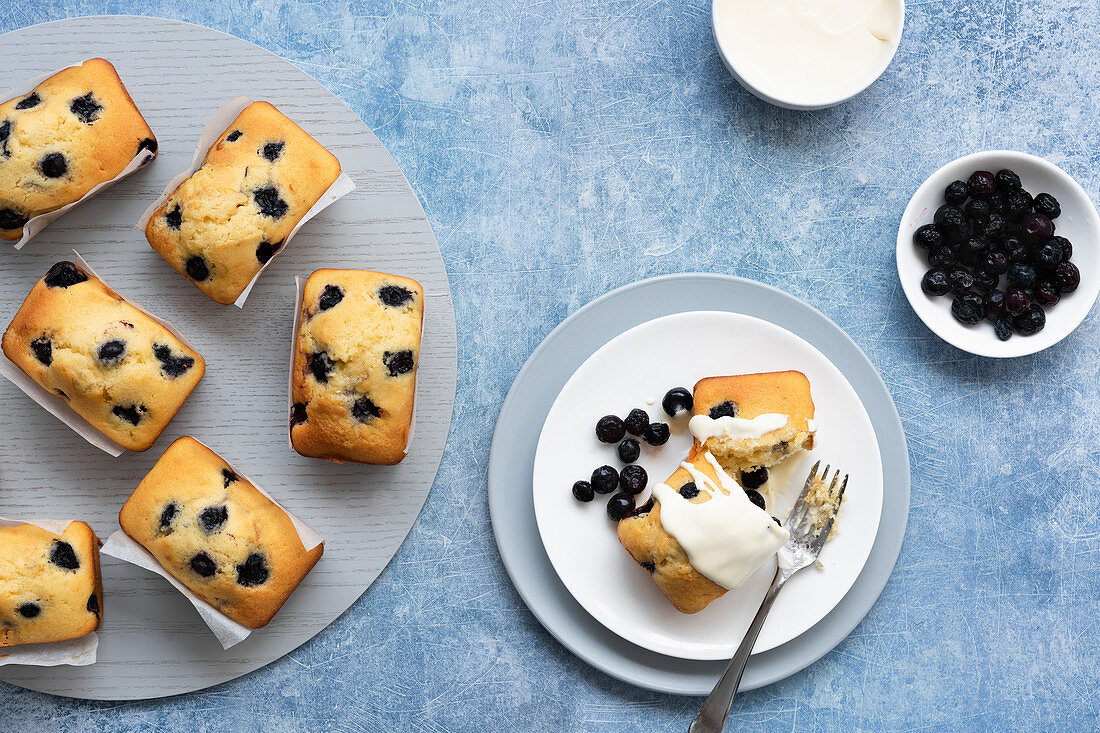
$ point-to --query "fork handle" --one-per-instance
(712, 716)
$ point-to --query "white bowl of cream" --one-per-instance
(807, 54)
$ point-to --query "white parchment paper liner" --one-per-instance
(229, 632)
(72, 652)
(298, 295)
(215, 126)
(36, 224)
(59, 407)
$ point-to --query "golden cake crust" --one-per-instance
(367, 348)
(95, 142)
(251, 550)
(213, 228)
(42, 600)
(59, 334)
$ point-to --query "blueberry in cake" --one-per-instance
(50, 588)
(75, 130)
(117, 367)
(224, 223)
(218, 534)
(354, 371)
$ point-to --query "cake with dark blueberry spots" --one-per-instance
(354, 371)
(218, 534)
(117, 367)
(232, 216)
(76, 130)
(50, 587)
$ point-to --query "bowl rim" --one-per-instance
(794, 104)
(957, 335)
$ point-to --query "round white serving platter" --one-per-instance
(152, 642)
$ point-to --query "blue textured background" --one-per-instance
(562, 150)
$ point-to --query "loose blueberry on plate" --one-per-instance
(935, 282)
(1035, 228)
(968, 308)
(960, 279)
(755, 478)
(619, 506)
(1018, 205)
(985, 280)
(942, 257)
(994, 304)
(981, 184)
(656, 434)
(1016, 301)
(637, 421)
(996, 262)
(678, 401)
(977, 211)
(629, 450)
(610, 429)
(1021, 275)
(952, 222)
(1008, 181)
(1046, 294)
(633, 479)
(1049, 255)
(928, 236)
(756, 498)
(1047, 205)
(604, 480)
(956, 193)
(1067, 277)
(1003, 329)
(582, 491)
(1030, 321)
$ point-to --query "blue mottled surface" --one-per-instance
(562, 150)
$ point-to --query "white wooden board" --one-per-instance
(152, 642)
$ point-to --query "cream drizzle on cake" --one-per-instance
(704, 427)
(727, 538)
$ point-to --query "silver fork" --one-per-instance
(809, 530)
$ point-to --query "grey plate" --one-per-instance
(513, 453)
(178, 74)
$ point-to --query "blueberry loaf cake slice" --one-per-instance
(74, 131)
(751, 422)
(354, 372)
(117, 367)
(50, 588)
(218, 534)
(224, 223)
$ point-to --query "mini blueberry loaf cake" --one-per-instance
(226, 221)
(50, 588)
(117, 367)
(76, 130)
(354, 372)
(217, 534)
(754, 421)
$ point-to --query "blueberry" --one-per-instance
(928, 236)
(677, 400)
(994, 304)
(995, 227)
(85, 108)
(364, 410)
(723, 409)
(952, 222)
(610, 429)
(173, 219)
(131, 414)
(53, 165)
(1018, 205)
(394, 295)
(1016, 301)
(1067, 247)
(689, 490)
(298, 414)
(1046, 294)
(212, 518)
(29, 102)
(629, 450)
(620, 506)
(981, 184)
(956, 193)
(756, 498)
(656, 434)
(272, 151)
(935, 282)
(978, 211)
(1049, 255)
(582, 491)
(228, 477)
(29, 610)
(266, 250)
(111, 352)
(42, 348)
(10, 219)
(203, 565)
(399, 362)
(973, 248)
(941, 257)
(649, 566)
(998, 202)
(996, 262)
(1021, 275)
(320, 366)
(1035, 228)
(1003, 329)
(168, 514)
(330, 297)
(633, 479)
(643, 509)
(148, 144)
(1048, 206)
(173, 366)
(604, 480)
(93, 604)
(1031, 321)
(985, 279)
(637, 421)
(1014, 249)
(65, 275)
(197, 269)
(253, 571)
(755, 478)
(1007, 180)
(270, 204)
(234, 136)
(1067, 277)
(960, 279)
(63, 556)
(968, 308)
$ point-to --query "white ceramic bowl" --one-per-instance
(729, 51)
(1079, 223)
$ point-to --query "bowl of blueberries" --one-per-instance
(997, 253)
